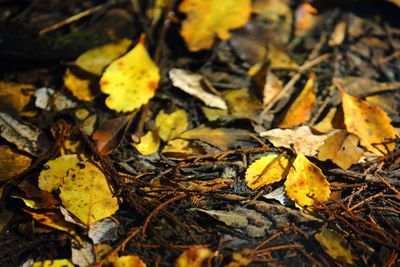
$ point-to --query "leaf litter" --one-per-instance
(200, 133)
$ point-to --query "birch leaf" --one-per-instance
(128, 261)
(195, 256)
(171, 125)
(149, 143)
(335, 245)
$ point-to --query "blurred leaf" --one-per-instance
(208, 19)
(12, 163)
(149, 143)
(241, 104)
(306, 183)
(304, 19)
(238, 260)
(53, 263)
(14, 96)
(171, 125)
(362, 87)
(129, 261)
(195, 256)
(79, 87)
(130, 81)
(335, 245)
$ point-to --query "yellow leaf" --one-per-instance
(79, 87)
(241, 104)
(11, 163)
(335, 245)
(266, 170)
(180, 148)
(171, 125)
(51, 177)
(131, 80)
(149, 143)
(129, 261)
(14, 96)
(370, 123)
(96, 59)
(53, 263)
(207, 19)
(306, 183)
(238, 260)
(341, 148)
(213, 114)
(195, 256)
(300, 111)
(86, 194)
(326, 124)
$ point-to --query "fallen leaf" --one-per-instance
(86, 193)
(83, 254)
(279, 58)
(338, 34)
(35, 198)
(104, 230)
(327, 123)
(266, 170)
(386, 101)
(271, 88)
(195, 256)
(24, 136)
(86, 121)
(180, 148)
(191, 84)
(335, 245)
(48, 99)
(107, 135)
(304, 19)
(278, 195)
(301, 139)
(306, 183)
(342, 149)
(96, 59)
(11, 163)
(362, 87)
(300, 110)
(14, 96)
(149, 143)
(241, 104)
(213, 114)
(171, 125)
(130, 81)
(370, 123)
(221, 138)
(207, 19)
(245, 220)
(53, 263)
(54, 171)
(129, 261)
(238, 260)
(79, 87)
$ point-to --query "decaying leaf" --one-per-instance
(35, 198)
(104, 230)
(195, 256)
(171, 125)
(79, 87)
(338, 34)
(130, 81)
(342, 148)
(24, 136)
(86, 194)
(306, 183)
(271, 88)
(279, 58)
(221, 138)
(191, 84)
(129, 261)
(14, 96)
(370, 123)
(96, 59)
(362, 87)
(83, 255)
(335, 245)
(302, 139)
(86, 121)
(208, 19)
(241, 104)
(48, 99)
(149, 143)
(266, 170)
(53, 263)
(300, 110)
(245, 220)
(12, 163)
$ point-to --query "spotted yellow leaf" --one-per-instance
(96, 59)
(131, 80)
(266, 170)
(335, 245)
(86, 193)
(53, 263)
(171, 125)
(370, 123)
(306, 183)
(208, 19)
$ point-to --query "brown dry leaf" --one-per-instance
(191, 84)
(300, 110)
(306, 183)
(241, 104)
(370, 123)
(266, 170)
(12, 163)
(304, 19)
(130, 81)
(208, 19)
(335, 245)
(362, 87)
(149, 143)
(129, 261)
(302, 139)
(221, 138)
(79, 87)
(171, 125)
(96, 59)
(106, 136)
(14, 96)
(35, 198)
(342, 149)
(195, 256)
